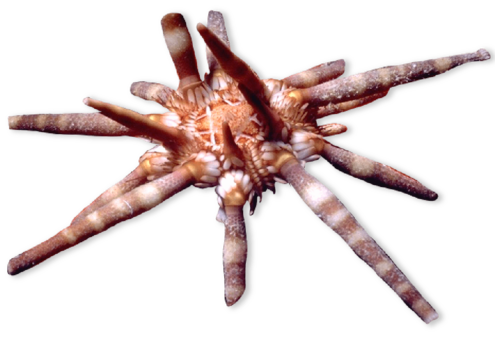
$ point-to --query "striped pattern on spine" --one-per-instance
(234, 254)
(375, 173)
(181, 49)
(123, 208)
(316, 75)
(381, 79)
(333, 213)
(94, 124)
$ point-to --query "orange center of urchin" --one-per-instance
(242, 121)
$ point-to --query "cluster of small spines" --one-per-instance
(269, 154)
(306, 145)
(257, 168)
(291, 116)
(196, 103)
(208, 168)
(228, 161)
(235, 181)
(168, 119)
(272, 87)
(158, 161)
(290, 110)
(222, 87)
(217, 88)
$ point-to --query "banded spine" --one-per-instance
(380, 80)
(333, 213)
(134, 179)
(217, 25)
(234, 254)
(316, 75)
(125, 207)
(333, 109)
(94, 124)
(151, 91)
(375, 173)
(181, 49)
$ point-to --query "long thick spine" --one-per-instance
(375, 173)
(232, 64)
(94, 124)
(216, 24)
(151, 91)
(234, 254)
(333, 109)
(144, 125)
(316, 75)
(333, 213)
(181, 49)
(130, 182)
(380, 80)
(127, 206)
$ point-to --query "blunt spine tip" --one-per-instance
(13, 122)
(483, 55)
(432, 316)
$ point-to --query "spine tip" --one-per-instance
(483, 55)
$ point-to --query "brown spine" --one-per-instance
(379, 80)
(275, 123)
(181, 49)
(234, 254)
(141, 124)
(331, 129)
(316, 75)
(332, 109)
(151, 91)
(217, 25)
(94, 124)
(333, 213)
(130, 182)
(375, 173)
(232, 64)
(125, 207)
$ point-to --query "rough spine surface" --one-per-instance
(234, 255)
(120, 209)
(333, 213)
(380, 80)
(240, 134)
(375, 173)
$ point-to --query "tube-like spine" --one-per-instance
(375, 173)
(381, 79)
(234, 254)
(127, 206)
(333, 213)
(316, 75)
(179, 44)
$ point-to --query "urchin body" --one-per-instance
(241, 135)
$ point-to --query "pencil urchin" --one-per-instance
(240, 134)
